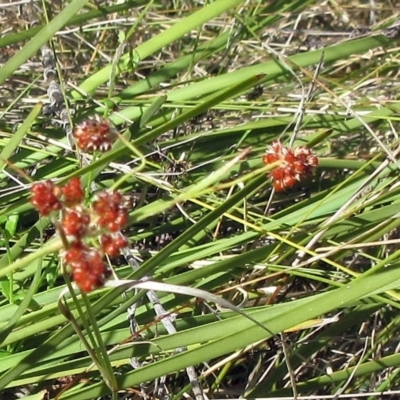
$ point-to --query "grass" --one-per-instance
(197, 92)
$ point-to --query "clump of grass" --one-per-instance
(197, 93)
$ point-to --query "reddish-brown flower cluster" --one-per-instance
(72, 192)
(94, 134)
(106, 217)
(88, 268)
(110, 207)
(294, 164)
(112, 245)
(44, 197)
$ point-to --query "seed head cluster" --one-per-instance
(295, 164)
(106, 217)
(94, 134)
(44, 197)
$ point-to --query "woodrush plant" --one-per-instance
(328, 246)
